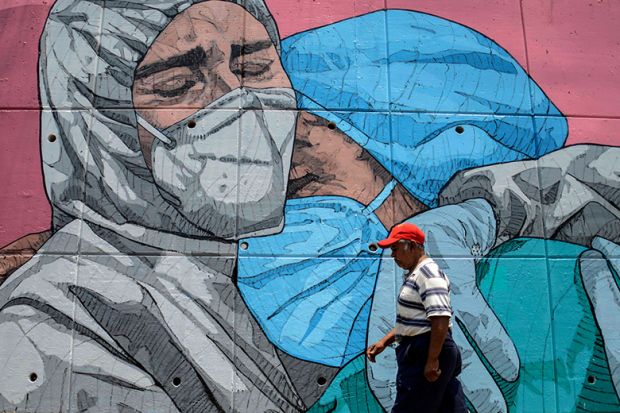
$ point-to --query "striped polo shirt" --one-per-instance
(425, 293)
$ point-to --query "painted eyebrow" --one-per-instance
(237, 50)
(190, 59)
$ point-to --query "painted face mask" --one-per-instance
(225, 168)
(319, 274)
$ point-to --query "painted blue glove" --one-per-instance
(456, 235)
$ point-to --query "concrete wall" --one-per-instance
(166, 251)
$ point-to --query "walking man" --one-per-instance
(428, 359)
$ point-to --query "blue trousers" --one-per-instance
(413, 392)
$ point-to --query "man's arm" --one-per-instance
(377, 348)
(434, 289)
(439, 330)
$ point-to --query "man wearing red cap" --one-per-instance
(428, 360)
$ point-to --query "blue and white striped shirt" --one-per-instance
(425, 293)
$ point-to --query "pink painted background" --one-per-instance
(570, 47)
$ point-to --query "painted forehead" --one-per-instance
(208, 23)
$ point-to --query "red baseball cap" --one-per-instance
(406, 231)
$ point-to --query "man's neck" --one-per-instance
(417, 263)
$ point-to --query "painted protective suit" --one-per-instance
(129, 306)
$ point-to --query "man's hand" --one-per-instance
(431, 370)
(374, 350)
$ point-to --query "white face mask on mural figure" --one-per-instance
(225, 168)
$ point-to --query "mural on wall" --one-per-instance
(216, 192)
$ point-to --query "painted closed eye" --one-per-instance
(251, 69)
(168, 83)
(173, 86)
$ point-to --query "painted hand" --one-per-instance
(596, 267)
(456, 236)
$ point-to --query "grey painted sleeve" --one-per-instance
(130, 333)
(569, 195)
(48, 366)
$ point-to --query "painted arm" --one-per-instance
(120, 340)
(41, 355)
(17, 253)
(568, 195)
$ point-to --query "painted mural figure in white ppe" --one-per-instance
(132, 304)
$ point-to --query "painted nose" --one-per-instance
(220, 81)
(227, 80)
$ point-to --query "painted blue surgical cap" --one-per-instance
(426, 97)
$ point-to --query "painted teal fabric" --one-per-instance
(563, 364)
(348, 392)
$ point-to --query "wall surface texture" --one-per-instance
(192, 192)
